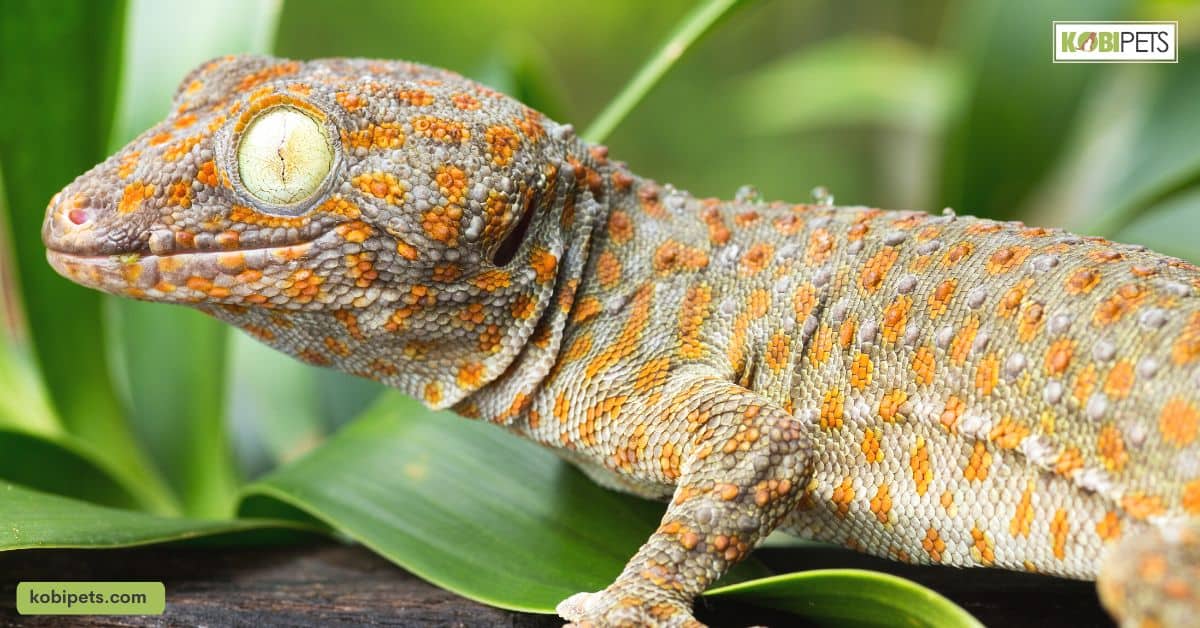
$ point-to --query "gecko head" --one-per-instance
(389, 219)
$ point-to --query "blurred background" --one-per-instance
(917, 104)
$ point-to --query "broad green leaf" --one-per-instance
(1169, 227)
(851, 80)
(37, 520)
(64, 465)
(703, 17)
(173, 358)
(56, 71)
(851, 597)
(25, 403)
(1163, 158)
(273, 405)
(465, 506)
(1011, 127)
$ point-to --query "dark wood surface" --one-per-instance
(329, 585)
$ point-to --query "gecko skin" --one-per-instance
(934, 389)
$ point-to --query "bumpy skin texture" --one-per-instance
(933, 389)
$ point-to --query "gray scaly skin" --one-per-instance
(933, 389)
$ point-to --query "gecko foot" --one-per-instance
(1153, 578)
(602, 609)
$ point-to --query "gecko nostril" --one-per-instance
(78, 216)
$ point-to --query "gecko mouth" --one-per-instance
(234, 276)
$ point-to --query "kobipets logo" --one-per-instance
(1116, 42)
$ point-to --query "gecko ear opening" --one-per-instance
(508, 247)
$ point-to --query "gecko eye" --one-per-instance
(284, 156)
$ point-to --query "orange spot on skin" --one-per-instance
(756, 259)
(918, 462)
(620, 227)
(414, 97)
(133, 195)
(1031, 321)
(1126, 299)
(692, 314)
(1058, 356)
(1069, 461)
(939, 299)
(1142, 506)
(470, 375)
(631, 334)
(822, 345)
(129, 163)
(502, 144)
(1010, 303)
(1006, 259)
(960, 345)
(933, 545)
(718, 233)
(207, 173)
(381, 185)
(987, 374)
(924, 365)
(843, 496)
(881, 504)
(1023, 517)
(1191, 497)
(870, 445)
(543, 262)
(1082, 281)
(384, 136)
(674, 256)
(820, 245)
(982, 549)
(1178, 422)
(860, 371)
(1186, 348)
(1109, 528)
(876, 269)
(832, 408)
(492, 280)
(440, 129)
(608, 269)
(891, 403)
(778, 349)
(957, 253)
(804, 301)
(979, 463)
(951, 413)
(1059, 528)
(251, 81)
(1111, 447)
(1008, 433)
(895, 317)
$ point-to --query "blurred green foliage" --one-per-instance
(183, 424)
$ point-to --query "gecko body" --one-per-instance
(933, 389)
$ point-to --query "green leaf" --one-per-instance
(851, 597)
(57, 69)
(173, 358)
(1169, 227)
(1009, 131)
(1163, 158)
(465, 506)
(36, 520)
(851, 80)
(694, 25)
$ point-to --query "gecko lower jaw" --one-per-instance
(185, 276)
